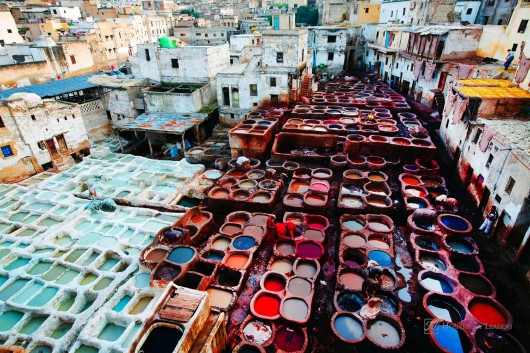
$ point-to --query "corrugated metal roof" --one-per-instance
(175, 123)
(53, 88)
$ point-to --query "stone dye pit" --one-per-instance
(279, 257)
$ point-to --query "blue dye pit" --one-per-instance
(448, 337)
(243, 243)
(454, 223)
(382, 258)
(181, 255)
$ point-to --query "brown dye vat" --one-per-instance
(261, 197)
(219, 193)
(351, 279)
(354, 240)
(239, 217)
(238, 260)
(357, 162)
(353, 258)
(240, 195)
(285, 248)
(313, 234)
(293, 200)
(377, 188)
(231, 228)
(228, 182)
(322, 173)
(378, 201)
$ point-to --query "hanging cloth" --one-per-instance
(464, 70)
(449, 102)
(460, 108)
(418, 63)
(429, 71)
(485, 139)
(522, 69)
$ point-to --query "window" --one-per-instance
(275, 99)
(235, 97)
(509, 185)
(273, 81)
(226, 96)
(491, 2)
(498, 199)
(9, 31)
(254, 90)
(72, 59)
(331, 56)
(386, 60)
(206, 35)
(175, 63)
(480, 179)
(488, 163)
(514, 47)
(55, 12)
(403, 11)
(2, 43)
(2, 123)
(147, 55)
(366, 9)
(332, 39)
(477, 135)
(6, 151)
(33, 117)
(469, 11)
(279, 58)
(499, 22)
(522, 26)
(391, 13)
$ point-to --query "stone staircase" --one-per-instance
(63, 162)
(305, 89)
(438, 101)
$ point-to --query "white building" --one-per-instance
(243, 47)
(468, 10)
(293, 4)
(38, 135)
(396, 11)
(66, 13)
(8, 30)
(157, 27)
(272, 77)
(328, 44)
(496, 12)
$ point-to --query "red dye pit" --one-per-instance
(198, 218)
(309, 250)
(274, 284)
(487, 313)
(289, 340)
(320, 187)
(267, 305)
(411, 181)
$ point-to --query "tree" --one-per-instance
(308, 15)
(190, 12)
(282, 5)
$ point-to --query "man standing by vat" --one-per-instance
(491, 216)
(509, 59)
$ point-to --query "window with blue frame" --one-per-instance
(6, 151)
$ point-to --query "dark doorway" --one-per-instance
(50, 144)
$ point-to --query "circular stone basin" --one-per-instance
(410, 180)
(257, 332)
(241, 194)
(299, 186)
(378, 201)
(431, 182)
(465, 263)
(436, 282)
(455, 223)
(261, 197)
(243, 242)
(289, 339)
(401, 141)
(450, 338)
(237, 261)
(353, 175)
(379, 226)
(285, 248)
(282, 266)
(354, 241)
(348, 301)
(317, 222)
(309, 249)
(320, 187)
(353, 258)
(274, 282)
(348, 327)
(351, 280)
(181, 255)
(496, 341)
(384, 332)
(267, 305)
(487, 312)
(305, 268)
(375, 160)
(432, 262)
(219, 193)
(221, 243)
(213, 174)
(299, 287)
(378, 242)
(377, 177)
(415, 191)
(445, 308)
(231, 228)
(248, 184)
(313, 234)
(476, 284)
(353, 224)
(459, 245)
(381, 257)
(352, 201)
(228, 182)
(238, 217)
(294, 199)
(214, 255)
(416, 203)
